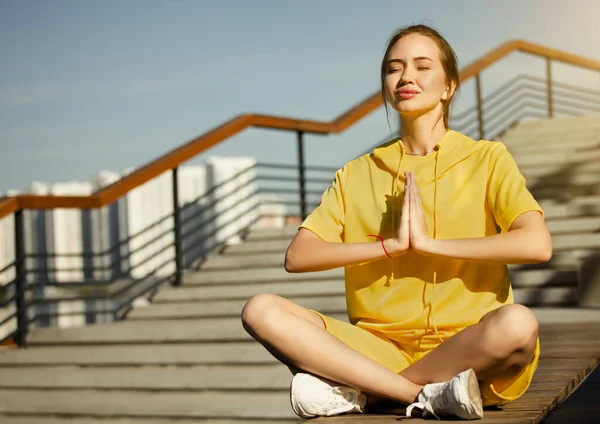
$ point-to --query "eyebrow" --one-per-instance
(415, 59)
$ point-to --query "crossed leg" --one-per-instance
(499, 347)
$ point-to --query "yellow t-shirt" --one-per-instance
(469, 189)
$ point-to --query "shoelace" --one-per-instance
(436, 391)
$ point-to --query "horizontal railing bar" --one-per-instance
(103, 268)
(90, 297)
(512, 110)
(560, 109)
(293, 179)
(558, 100)
(234, 191)
(272, 190)
(8, 267)
(509, 87)
(117, 308)
(6, 320)
(7, 286)
(295, 167)
(543, 87)
(42, 315)
(466, 115)
(93, 268)
(52, 270)
(138, 281)
(501, 126)
(521, 91)
(129, 239)
(145, 289)
(543, 107)
(196, 228)
(571, 87)
(73, 283)
(6, 302)
(221, 184)
(526, 113)
(295, 203)
(215, 244)
(69, 298)
(94, 255)
(468, 129)
(503, 88)
(559, 95)
(231, 220)
(512, 99)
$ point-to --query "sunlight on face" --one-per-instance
(415, 82)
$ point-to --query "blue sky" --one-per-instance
(86, 86)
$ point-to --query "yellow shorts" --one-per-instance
(396, 357)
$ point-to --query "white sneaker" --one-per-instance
(313, 396)
(459, 398)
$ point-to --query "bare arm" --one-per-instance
(308, 252)
(527, 240)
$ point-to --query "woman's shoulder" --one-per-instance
(484, 145)
(370, 159)
(486, 148)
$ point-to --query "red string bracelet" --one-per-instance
(382, 245)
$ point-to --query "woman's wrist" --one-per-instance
(394, 247)
(426, 246)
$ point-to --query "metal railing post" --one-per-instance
(479, 106)
(549, 86)
(20, 281)
(177, 230)
(301, 179)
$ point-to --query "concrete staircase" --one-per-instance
(185, 358)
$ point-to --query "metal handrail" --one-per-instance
(557, 101)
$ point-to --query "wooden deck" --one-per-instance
(569, 352)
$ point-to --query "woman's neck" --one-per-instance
(420, 135)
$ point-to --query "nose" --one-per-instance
(407, 76)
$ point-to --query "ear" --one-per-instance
(449, 91)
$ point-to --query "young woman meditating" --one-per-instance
(424, 226)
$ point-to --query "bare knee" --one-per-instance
(513, 328)
(267, 312)
(259, 311)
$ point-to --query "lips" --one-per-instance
(405, 93)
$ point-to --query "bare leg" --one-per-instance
(297, 337)
(498, 347)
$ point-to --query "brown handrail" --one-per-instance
(213, 137)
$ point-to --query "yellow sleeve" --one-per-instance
(327, 219)
(508, 195)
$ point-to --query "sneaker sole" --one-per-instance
(473, 394)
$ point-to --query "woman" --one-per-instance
(424, 227)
